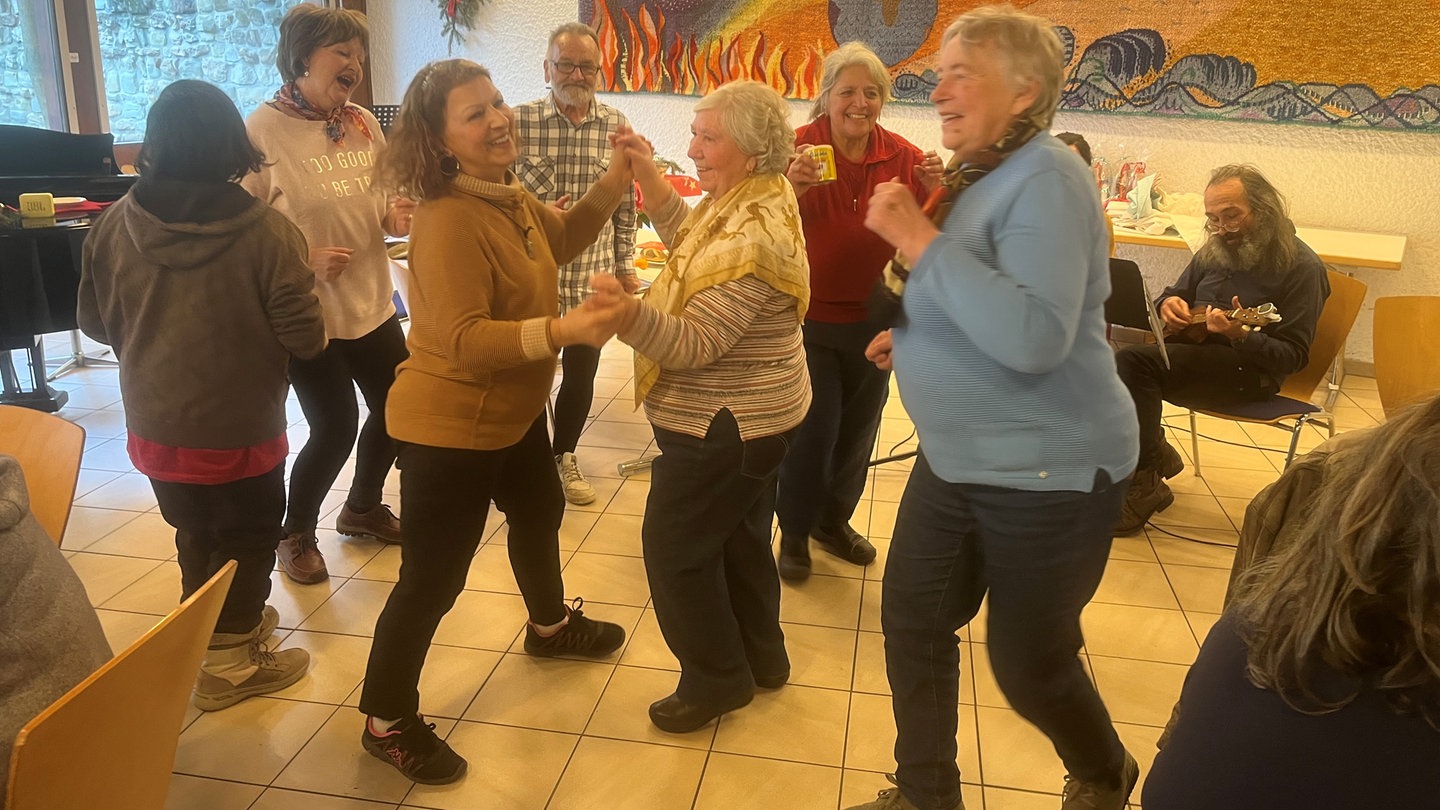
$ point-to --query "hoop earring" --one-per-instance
(449, 166)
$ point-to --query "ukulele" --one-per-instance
(1251, 317)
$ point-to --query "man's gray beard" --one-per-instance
(572, 97)
(1245, 258)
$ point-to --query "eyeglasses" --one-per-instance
(586, 69)
(1226, 224)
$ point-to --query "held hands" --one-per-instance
(896, 217)
(612, 296)
(635, 151)
(630, 281)
(930, 171)
(880, 351)
(327, 263)
(1217, 323)
(620, 172)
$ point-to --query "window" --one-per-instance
(32, 92)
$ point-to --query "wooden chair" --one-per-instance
(1407, 362)
(49, 450)
(1291, 409)
(110, 741)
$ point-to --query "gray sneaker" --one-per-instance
(892, 799)
(275, 671)
(1081, 795)
(269, 620)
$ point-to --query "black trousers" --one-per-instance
(824, 475)
(325, 387)
(706, 540)
(1040, 557)
(445, 495)
(1203, 375)
(237, 521)
(577, 391)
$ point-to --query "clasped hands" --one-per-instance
(1177, 314)
(608, 311)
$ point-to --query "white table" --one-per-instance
(1380, 251)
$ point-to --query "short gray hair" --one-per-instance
(847, 56)
(757, 119)
(1028, 47)
(574, 29)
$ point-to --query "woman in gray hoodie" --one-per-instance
(204, 293)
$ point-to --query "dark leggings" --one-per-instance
(577, 391)
(445, 494)
(326, 389)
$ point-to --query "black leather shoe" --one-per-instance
(772, 681)
(678, 717)
(794, 560)
(846, 543)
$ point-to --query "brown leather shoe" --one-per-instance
(379, 523)
(301, 560)
(1147, 495)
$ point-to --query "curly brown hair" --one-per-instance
(410, 164)
(1358, 593)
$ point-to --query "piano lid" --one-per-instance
(62, 163)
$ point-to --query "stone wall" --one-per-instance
(147, 44)
(21, 88)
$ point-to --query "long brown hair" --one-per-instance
(410, 164)
(1270, 211)
(1358, 593)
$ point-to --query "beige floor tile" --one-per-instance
(1199, 589)
(296, 602)
(95, 397)
(870, 738)
(617, 435)
(620, 411)
(886, 485)
(385, 566)
(103, 423)
(575, 527)
(1015, 754)
(859, 787)
(90, 480)
(823, 563)
(1201, 511)
(820, 656)
(646, 647)
(828, 601)
(1235, 510)
(796, 723)
(607, 578)
(605, 488)
(605, 774)
(156, 593)
(344, 556)
(1005, 799)
(1200, 623)
(333, 762)
(1140, 692)
(542, 693)
(86, 526)
(623, 710)
(630, 498)
(1215, 457)
(189, 792)
(129, 491)
(1135, 583)
(882, 518)
(146, 536)
(870, 664)
(104, 575)
(1140, 742)
(1176, 551)
(352, 608)
(601, 462)
(510, 769)
(1150, 634)
(615, 534)
(1134, 549)
(1240, 483)
(337, 665)
(490, 570)
(251, 741)
(123, 629)
(277, 799)
(748, 783)
(483, 620)
(1189, 483)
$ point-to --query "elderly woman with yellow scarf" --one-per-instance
(720, 368)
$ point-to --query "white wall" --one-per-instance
(1336, 178)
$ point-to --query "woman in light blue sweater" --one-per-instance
(1027, 436)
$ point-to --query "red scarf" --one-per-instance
(288, 97)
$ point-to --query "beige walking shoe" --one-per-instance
(577, 490)
(1080, 795)
(232, 672)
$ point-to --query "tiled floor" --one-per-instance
(570, 735)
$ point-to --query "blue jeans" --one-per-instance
(1040, 556)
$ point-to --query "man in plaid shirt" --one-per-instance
(565, 143)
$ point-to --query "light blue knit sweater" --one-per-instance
(1002, 361)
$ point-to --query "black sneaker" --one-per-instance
(414, 749)
(846, 543)
(579, 636)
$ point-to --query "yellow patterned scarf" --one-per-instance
(753, 229)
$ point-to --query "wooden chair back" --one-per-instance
(49, 449)
(110, 741)
(1407, 361)
(1331, 331)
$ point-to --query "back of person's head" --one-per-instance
(1076, 141)
(1358, 592)
(194, 133)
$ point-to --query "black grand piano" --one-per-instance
(40, 266)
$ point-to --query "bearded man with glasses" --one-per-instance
(564, 148)
(1251, 257)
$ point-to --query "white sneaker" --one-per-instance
(577, 490)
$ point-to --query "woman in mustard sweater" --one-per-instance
(468, 407)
